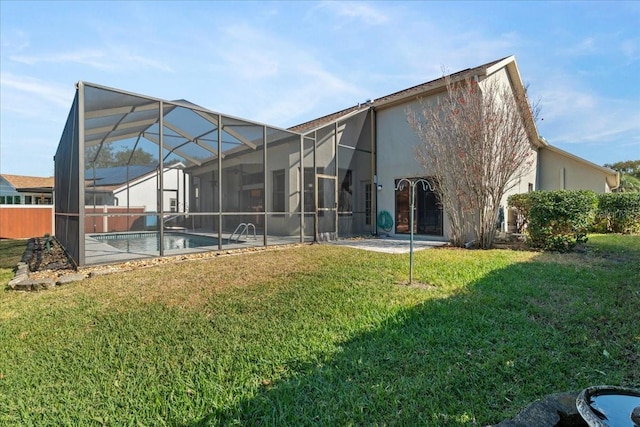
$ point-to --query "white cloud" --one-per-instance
(586, 46)
(572, 115)
(630, 48)
(271, 79)
(33, 91)
(14, 41)
(356, 11)
(111, 58)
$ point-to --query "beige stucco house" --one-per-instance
(394, 143)
(560, 170)
(334, 176)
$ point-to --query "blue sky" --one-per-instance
(284, 63)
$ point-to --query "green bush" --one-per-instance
(618, 213)
(558, 220)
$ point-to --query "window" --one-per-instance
(173, 205)
(345, 204)
(278, 191)
(2, 200)
(427, 211)
(42, 200)
(530, 189)
(28, 200)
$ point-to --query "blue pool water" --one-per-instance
(150, 242)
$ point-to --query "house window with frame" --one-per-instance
(428, 215)
(530, 188)
(3, 201)
(28, 200)
(278, 202)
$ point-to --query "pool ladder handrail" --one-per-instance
(243, 228)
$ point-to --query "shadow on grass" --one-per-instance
(480, 356)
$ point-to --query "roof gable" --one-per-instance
(20, 182)
(407, 93)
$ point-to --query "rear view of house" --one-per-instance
(242, 183)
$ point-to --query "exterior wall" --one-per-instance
(526, 180)
(558, 172)
(25, 221)
(396, 144)
(143, 192)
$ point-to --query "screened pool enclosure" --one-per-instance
(137, 176)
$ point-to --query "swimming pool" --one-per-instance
(150, 241)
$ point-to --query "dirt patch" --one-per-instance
(418, 285)
(47, 254)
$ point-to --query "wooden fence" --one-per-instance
(25, 221)
(110, 221)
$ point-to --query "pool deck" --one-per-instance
(389, 245)
(97, 252)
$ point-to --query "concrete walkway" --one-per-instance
(390, 245)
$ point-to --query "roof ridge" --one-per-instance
(330, 117)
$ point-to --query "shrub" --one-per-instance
(618, 213)
(558, 220)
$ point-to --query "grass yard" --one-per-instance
(322, 335)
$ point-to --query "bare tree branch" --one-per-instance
(475, 142)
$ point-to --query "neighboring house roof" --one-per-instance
(412, 92)
(29, 183)
(612, 176)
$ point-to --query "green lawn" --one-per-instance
(323, 335)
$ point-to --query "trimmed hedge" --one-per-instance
(618, 213)
(558, 220)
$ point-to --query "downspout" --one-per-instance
(374, 172)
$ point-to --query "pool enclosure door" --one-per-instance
(326, 207)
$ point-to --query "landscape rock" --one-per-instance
(102, 272)
(556, 410)
(33, 285)
(69, 278)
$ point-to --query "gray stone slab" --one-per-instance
(70, 278)
(35, 284)
(104, 272)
